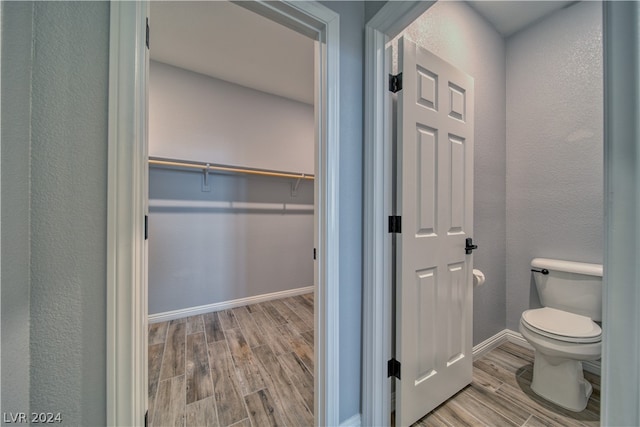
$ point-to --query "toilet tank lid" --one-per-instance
(568, 266)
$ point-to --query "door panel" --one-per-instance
(427, 179)
(435, 199)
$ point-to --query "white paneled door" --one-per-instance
(434, 298)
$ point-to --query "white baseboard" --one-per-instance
(209, 308)
(507, 335)
(593, 366)
(489, 344)
(354, 421)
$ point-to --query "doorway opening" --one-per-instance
(231, 217)
(128, 171)
(380, 30)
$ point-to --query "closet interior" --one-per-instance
(231, 218)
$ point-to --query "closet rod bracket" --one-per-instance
(294, 187)
(205, 179)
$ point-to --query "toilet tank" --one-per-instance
(570, 286)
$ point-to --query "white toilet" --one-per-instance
(563, 332)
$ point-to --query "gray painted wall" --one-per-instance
(554, 147)
(16, 128)
(457, 34)
(68, 210)
(65, 221)
(196, 117)
(247, 236)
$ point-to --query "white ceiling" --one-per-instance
(224, 40)
(211, 37)
(511, 16)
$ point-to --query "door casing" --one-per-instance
(127, 168)
(378, 195)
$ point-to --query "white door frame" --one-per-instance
(378, 193)
(126, 284)
(621, 300)
(126, 260)
(621, 304)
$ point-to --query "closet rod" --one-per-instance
(157, 161)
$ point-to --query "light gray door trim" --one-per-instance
(620, 403)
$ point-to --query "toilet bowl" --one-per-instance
(557, 367)
(563, 333)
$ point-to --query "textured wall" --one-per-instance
(457, 34)
(554, 147)
(197, 117)
(16, 127)
(237, 240)
(68, 210)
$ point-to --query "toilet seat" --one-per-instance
(562, 325)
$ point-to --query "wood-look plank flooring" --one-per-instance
(246, 366)
(501, 395)
(253, 366)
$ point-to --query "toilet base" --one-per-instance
(561, 381)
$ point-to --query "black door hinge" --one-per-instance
(146, 227)
(395, 82)
(147, 33)
(395, 224)
(146, 419)
(314, 253)
(393, 368)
